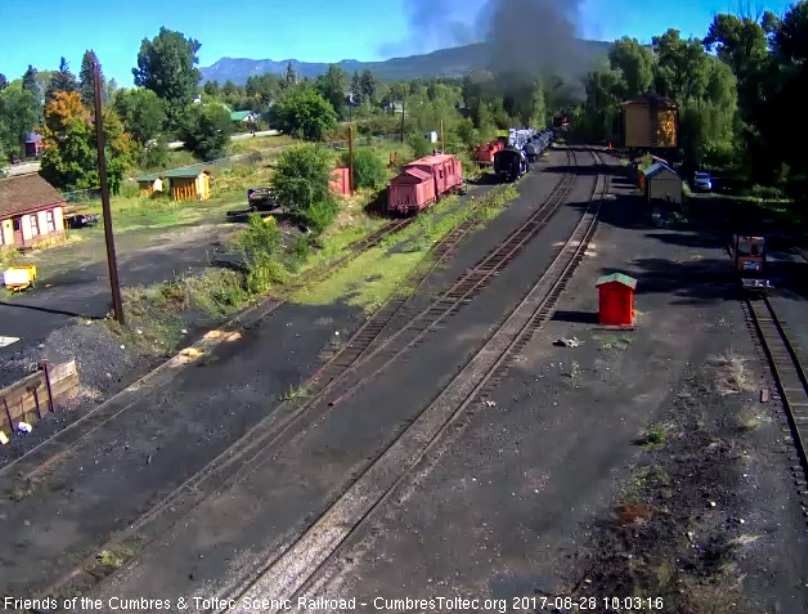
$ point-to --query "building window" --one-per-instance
(34, 225)
(50, 222)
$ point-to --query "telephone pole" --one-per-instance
(351, 157)
(442, 137)
(403, 102)
(112, 262)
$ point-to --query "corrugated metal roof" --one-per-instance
(148, 178)
(239, 116)
(656, 169)
(186, 173)
(430, 160)
(619, 278)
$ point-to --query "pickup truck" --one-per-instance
(261, 199)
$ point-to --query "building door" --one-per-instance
(17, 224)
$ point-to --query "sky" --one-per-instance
(39, 32)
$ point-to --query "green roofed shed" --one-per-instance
(190, 183)
(240, 116)
(619, 278)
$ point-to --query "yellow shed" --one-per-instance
(149, 184)
(189, 184)
(650, 122)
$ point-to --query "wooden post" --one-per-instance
(112, 263)
(351, 158)
(442, 137)
(8, 415)
(403, 102)
(36, 401)
(46, 369)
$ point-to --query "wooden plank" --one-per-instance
(25, 399)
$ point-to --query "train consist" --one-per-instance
(423, 182)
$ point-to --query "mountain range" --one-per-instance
(452, 62)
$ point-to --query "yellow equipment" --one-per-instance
(18, 278)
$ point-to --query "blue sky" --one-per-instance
(38, 32)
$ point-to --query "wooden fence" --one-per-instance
(30, 398)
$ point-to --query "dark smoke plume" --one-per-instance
(525, 38)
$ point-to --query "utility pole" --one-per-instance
(442, 137)
(403, 103)
(112, 262)
(351, 157)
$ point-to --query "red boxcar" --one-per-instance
(412, 191)
(436, 177)
(340, 181)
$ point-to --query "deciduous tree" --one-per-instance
(206, 130)
(331, 86)
(301, 185)
(304, 113)
(166, 65)
(142, 112)
(70, 160)
(18, 116)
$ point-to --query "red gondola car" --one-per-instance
(484, 154)
(424, 181)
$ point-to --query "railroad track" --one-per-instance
(790, 376)
(37, 460)
(297, 567)
(247, 455)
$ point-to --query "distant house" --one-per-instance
(31, 211)
(248, 117)
(150, 184)
(189, 183)
(34, 145)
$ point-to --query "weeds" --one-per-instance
(732, 375)
(655, 436)
(114, 559)
(608, 342)
(295, 393)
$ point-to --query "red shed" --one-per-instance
(616, 297)
(341, 181)
(444, 169)
(411, 191)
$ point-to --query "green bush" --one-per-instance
(420, 145)
(301, 185)
(369, 171)
(765, 192)
(262, 245)
(304, 114)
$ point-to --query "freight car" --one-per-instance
(484, 154)
(424, 181)
(537, 145)
(510, 164)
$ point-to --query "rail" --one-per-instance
(248, 454)
(295, 569)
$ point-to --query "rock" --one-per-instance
(184, 331)
(567, 343)
(712, 504)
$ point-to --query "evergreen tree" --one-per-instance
(291, 75)
(61, 81)
(86, 79)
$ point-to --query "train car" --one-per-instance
(510, 164)
(749, 261)
(484, 154)
(424, 181)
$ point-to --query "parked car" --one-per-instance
(702, 182)
(81, 220)
(261, 199)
